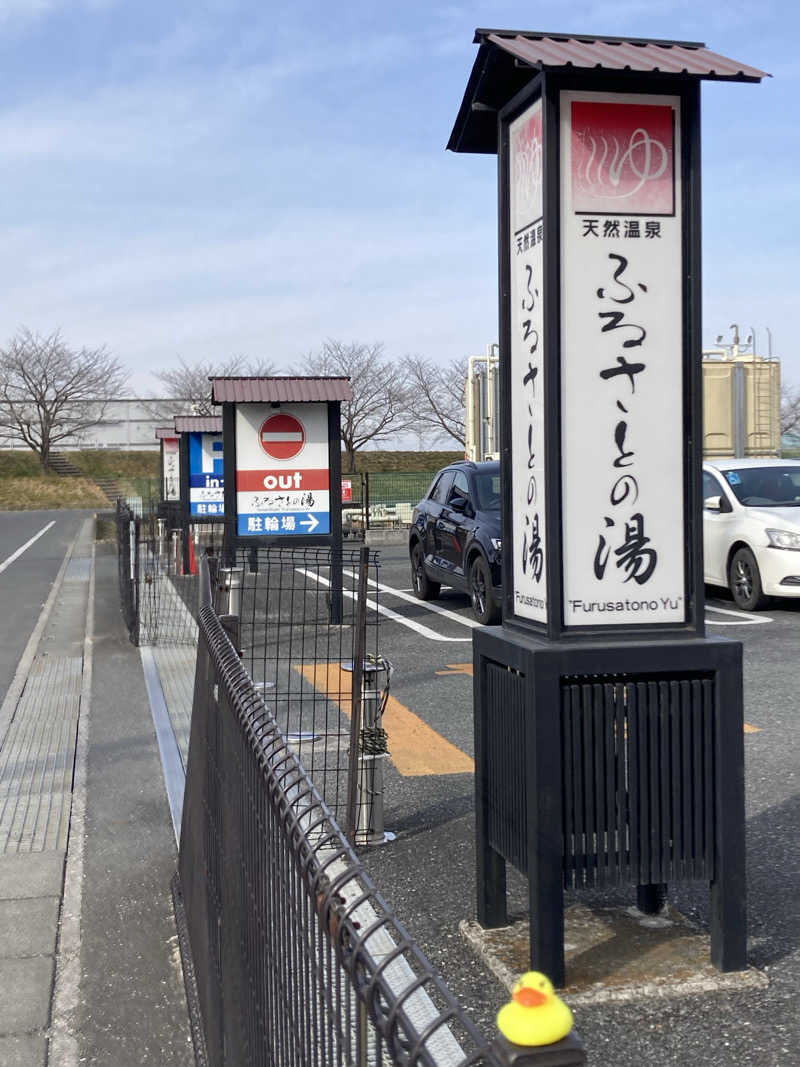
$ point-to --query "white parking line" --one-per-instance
(436, 608)
(15, 555)
(740, 618)
(744, 618)
(424, 631)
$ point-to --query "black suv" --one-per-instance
(455, 537)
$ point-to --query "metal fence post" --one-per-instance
(337, 582)
(359, 648)
(132, 546)
(135, 576)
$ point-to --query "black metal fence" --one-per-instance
(159, 601)
(300, 616)
(297, 958)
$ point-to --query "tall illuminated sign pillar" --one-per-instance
(601, 697)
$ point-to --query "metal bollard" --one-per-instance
(371, 754)
(229, 591)
(175, 551)
(161, 537)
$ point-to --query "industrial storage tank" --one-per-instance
(741, 406)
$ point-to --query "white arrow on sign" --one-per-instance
(312, 523)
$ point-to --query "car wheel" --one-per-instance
(424, 588)
(484, 606)
(745, 581)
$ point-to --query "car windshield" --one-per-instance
(487, 487)
(765, 486)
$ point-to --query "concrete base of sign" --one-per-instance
(615, 954)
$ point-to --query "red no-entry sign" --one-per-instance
(282, 436)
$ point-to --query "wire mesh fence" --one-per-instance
(299, 614)
(376, 499)
(398, 488)
(159, 600)
(297, 958)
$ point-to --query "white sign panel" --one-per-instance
(282, 476)
(526, 243)
(171, 461)
(206, 474)
(621, 359)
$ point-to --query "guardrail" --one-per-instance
(296, 956)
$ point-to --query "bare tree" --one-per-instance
(438, 395)
(188, 383)
(379, 406)
(50, 393)
(790, 408)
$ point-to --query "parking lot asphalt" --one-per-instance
(427, 873)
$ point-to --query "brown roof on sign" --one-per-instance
(279, 390)
(164, 431)
(198, 423)
(508, 59)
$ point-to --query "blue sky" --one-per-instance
(214, 178)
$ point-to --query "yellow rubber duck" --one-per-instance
(535, 1015)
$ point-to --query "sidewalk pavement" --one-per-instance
(90, 967)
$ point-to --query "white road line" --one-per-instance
(424, 631)
(23, 548)
(744, 617)
(437, 608)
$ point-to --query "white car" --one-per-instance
(751, 528)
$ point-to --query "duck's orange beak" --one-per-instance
(530, 998)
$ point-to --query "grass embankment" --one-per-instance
(103, 463)
(23, 487)
(373, 462)
(50, 493)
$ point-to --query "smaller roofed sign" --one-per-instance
(287, 454)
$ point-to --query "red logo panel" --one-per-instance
(623, 158)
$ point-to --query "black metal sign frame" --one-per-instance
(332, 539)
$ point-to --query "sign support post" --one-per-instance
(609, 728)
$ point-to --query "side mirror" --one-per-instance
(458, 503)
(720, 504)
